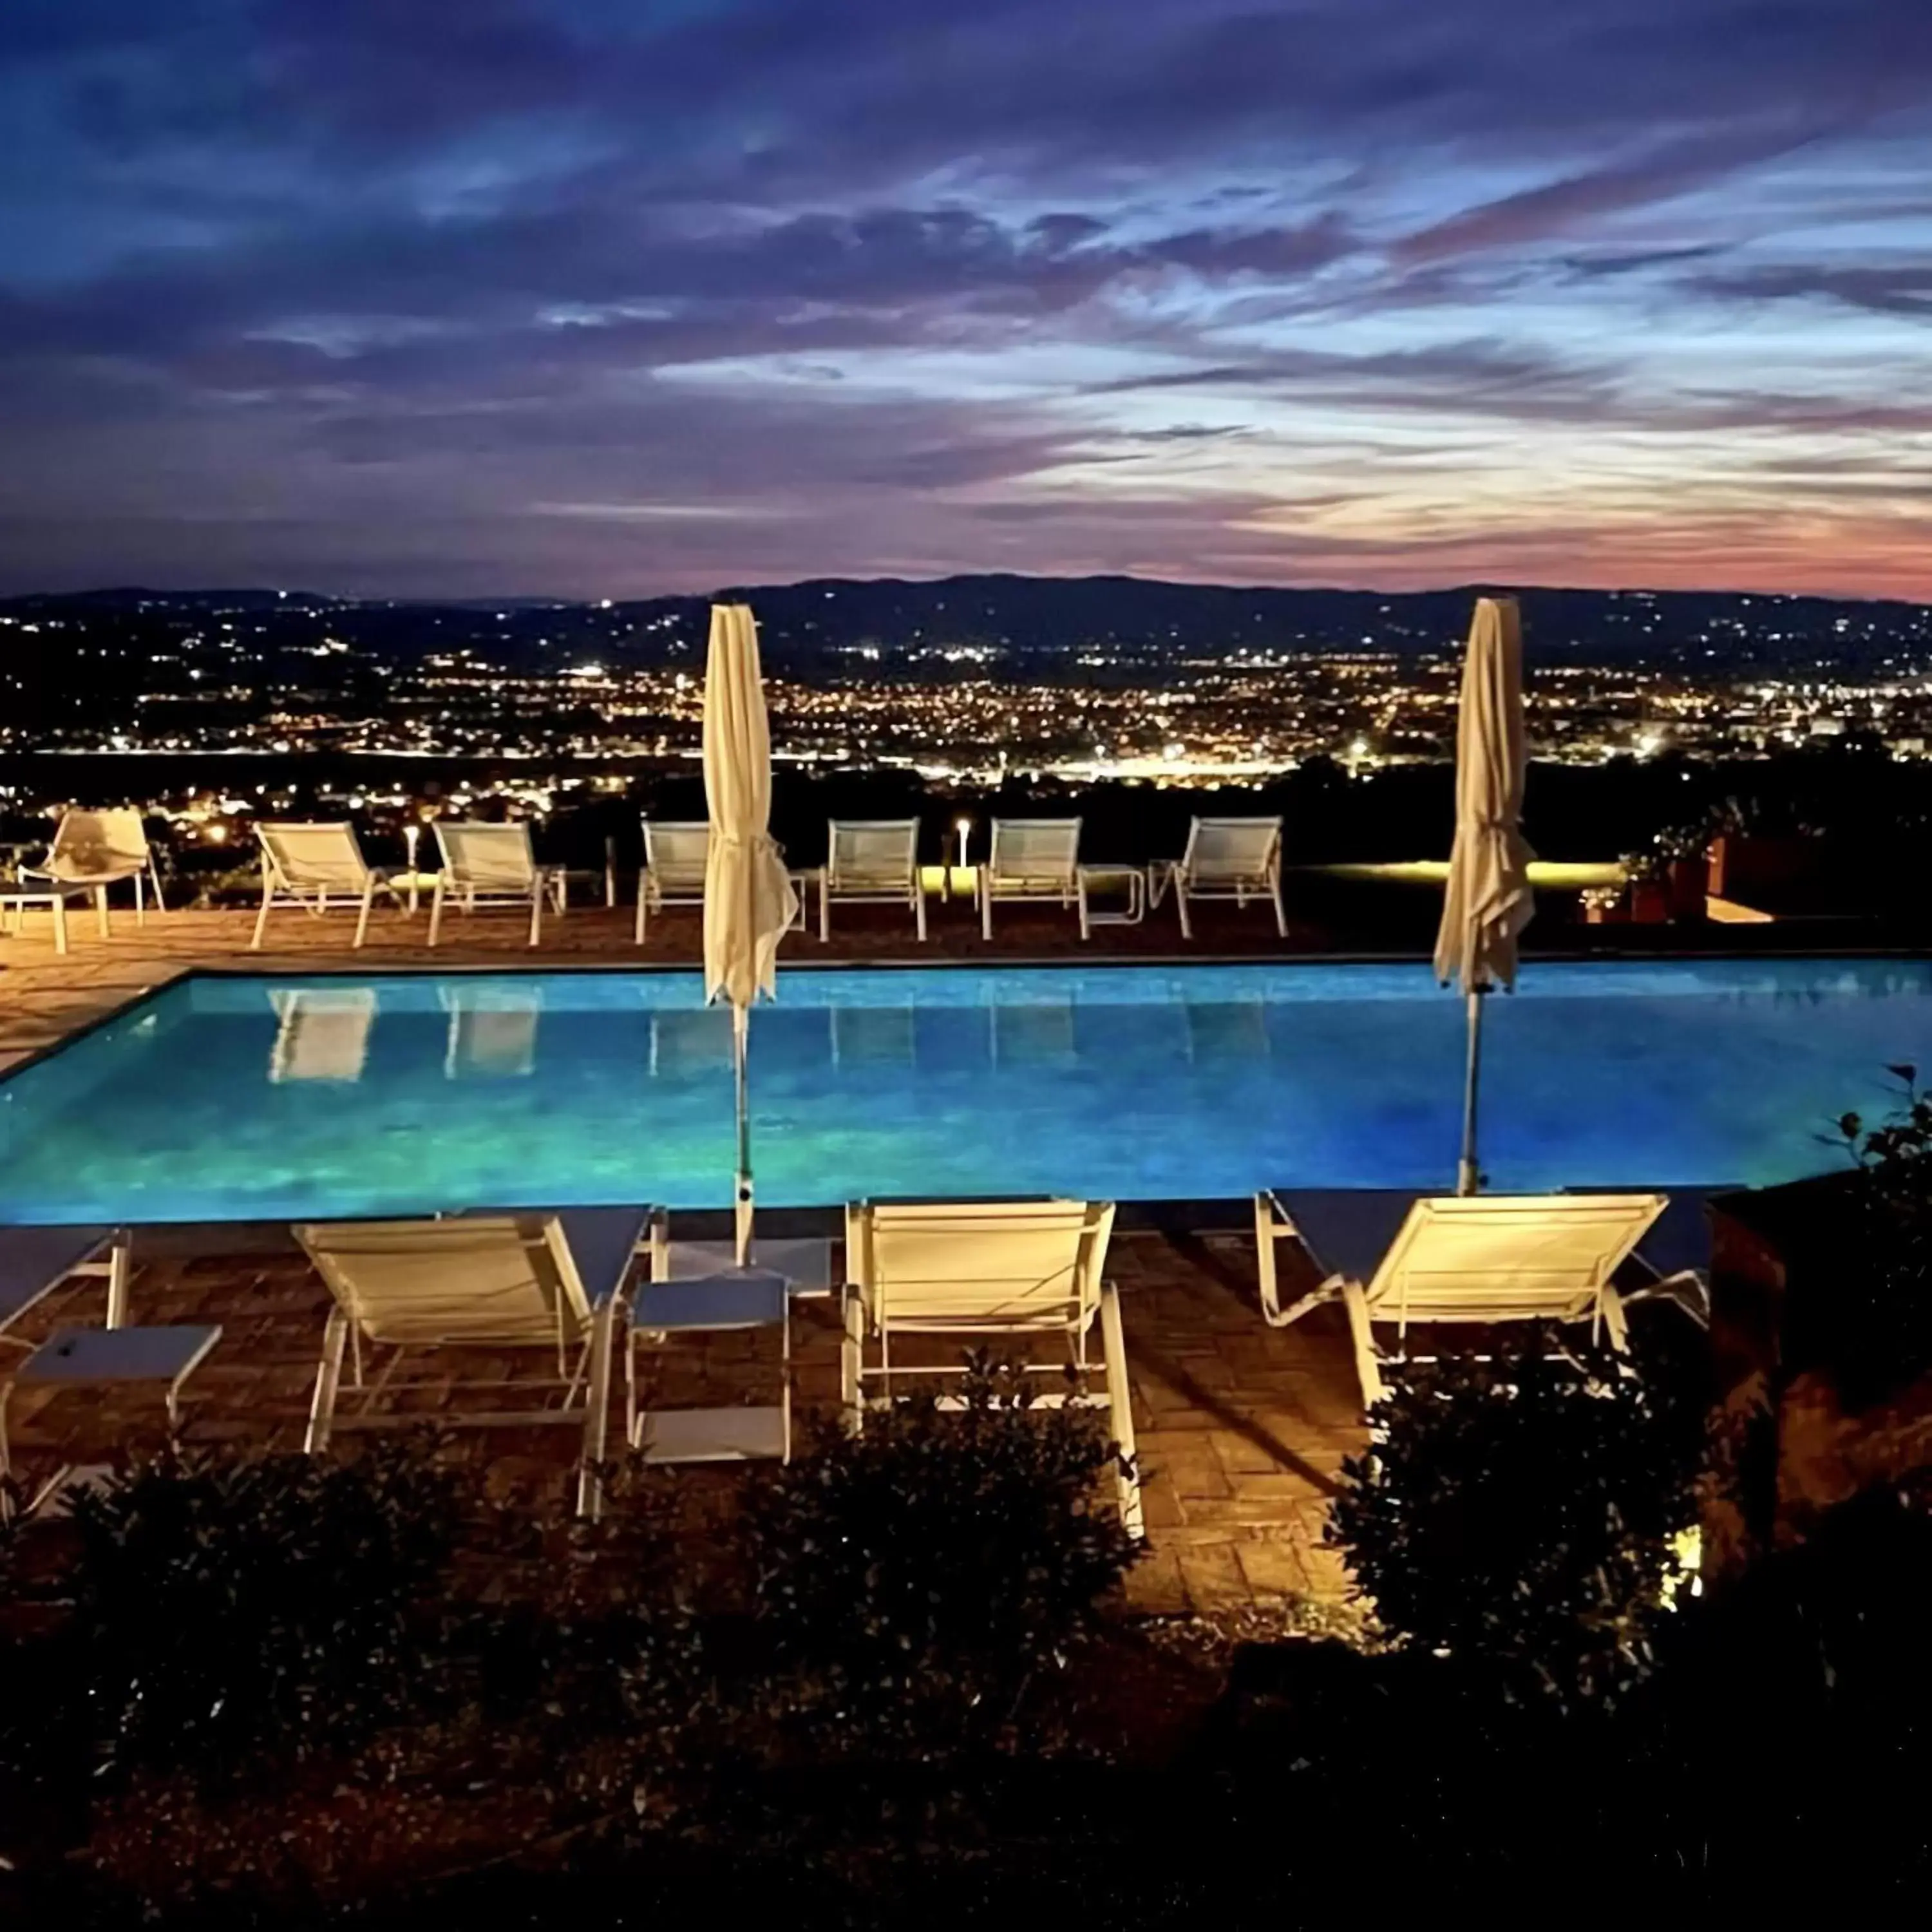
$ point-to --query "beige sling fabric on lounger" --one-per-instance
(554, 1282)
(972, 1268)
(1395, 1259)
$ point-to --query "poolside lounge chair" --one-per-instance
(1673, 1261)
(1002, 1267)
(1032, 858)
(871, 861)
(534, 1281)
(322, 1033)
(307, 866)
(93, 849)
(676, 853)
(489, 865)
(34, 1261)
(1394, 1257)
(1237, 859)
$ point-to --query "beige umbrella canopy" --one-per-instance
(1488, 901)
(748, 900)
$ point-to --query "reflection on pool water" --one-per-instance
(231, 1098)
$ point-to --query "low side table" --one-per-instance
(412, 885)
(1130, 880)
(735, 1298)
(805, 1261)
(77, 1358)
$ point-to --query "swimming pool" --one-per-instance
(228, 1098)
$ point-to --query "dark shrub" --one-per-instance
(922, 1573)
(1881, 1324)
(1796, 1705)
(1518, 1513)
(220, 1607)
(1819, 1648)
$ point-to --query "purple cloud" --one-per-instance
(349, 292)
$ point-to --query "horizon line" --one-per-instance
(1470, 587)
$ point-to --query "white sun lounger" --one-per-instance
(1393, 1257)
(492, 866)
(93, 849)
(308, 865)
(1673, 1261)
(1236, 859)
(554, 1282)
(1033, 858)
(970, 1268)
(677, 852)
(871, 861)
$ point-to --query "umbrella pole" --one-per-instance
(1468, 1179)
(741, 1023)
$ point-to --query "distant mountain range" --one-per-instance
(806, 625)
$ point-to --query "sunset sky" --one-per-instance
(607, 297)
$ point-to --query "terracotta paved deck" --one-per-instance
(1242, 1429)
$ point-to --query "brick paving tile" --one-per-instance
(1214, 1579)
(1155, 1587)
(1162, 1508)
(1272, 1569)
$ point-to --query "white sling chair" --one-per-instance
(871, 861)
(534, 1281)
(1237, 859)
(492, 866)
(1393, 1257)
(964, 1268)
(93, 849)
(307, 866)
(676, 853)
(1032, 858)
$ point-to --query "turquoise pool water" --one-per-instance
(225, 1098)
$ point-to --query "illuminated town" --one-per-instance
(970, 702)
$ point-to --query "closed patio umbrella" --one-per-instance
(1488, 901)
(748, 901)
